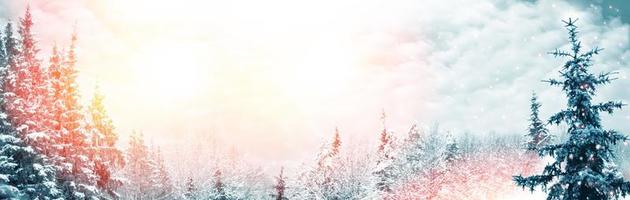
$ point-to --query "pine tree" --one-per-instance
(191, 189)
(452, 152)
(24, 173)
(280, 186)
(3, 55)
(11, 54)
(107, 157)
(140, 170)
(330, 153)
(385, 166)
(28, 87)
(583, 167)
(162, 181)
(538, 133)
(77, 176)
(24, 169)
(336, 144)
(414, 152)
(219, 186)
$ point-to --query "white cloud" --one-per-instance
(486, 57)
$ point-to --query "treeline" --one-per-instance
(419, 164)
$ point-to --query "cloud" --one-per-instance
(486, 58)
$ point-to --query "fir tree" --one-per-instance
(538, 133)
(23, 169)
(162, 180)
(280, 186)
(191, 189)
(582, 167)
(77, 176)
(385, 166)
(414, 151)
(219, 186)
(24, 173)
(3, 55)
(28, 87)
(336, 144)
(140, 170)
(107, 157)
(452, 152)
(11, 54)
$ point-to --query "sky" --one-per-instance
(274, 78)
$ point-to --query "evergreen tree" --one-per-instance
(336, 144)
(582, 167)
(3, 55)
(77, 175)
(162, 181)
(107, 157)
(191, 189)
(219, 186)
(139, 170)
(24, 173)
(385, 167)
(27, 87)
(280, 186)
(414, 152)
(538, 133)
(23, 169)
(321, 181)
(11, 53)
(452, 152)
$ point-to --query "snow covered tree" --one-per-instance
(538, 133)
(3, 55)
(434, 168)
(26, 87)
(191, 189)
(139, 170)
(77, 175)
(452, 152)
(280, 186)
(24, 173)
(321, 181)
(413, 157)
(107, 157)
(219, 186)
(162, 180)
(23, 169)
(386, 171)
(582, 166)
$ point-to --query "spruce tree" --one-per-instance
(582, 166)
(280, 186)
(29, 87)
(219, 186)
(23, 169)
(162, 180)
(24, 173)
(452, 152)
(107, 157)
(538, 133)
(77, 175)
(140, 170)
(414, 152)
(385, 167)
(3, 55)
(191, 189)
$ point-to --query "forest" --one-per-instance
(54, 147)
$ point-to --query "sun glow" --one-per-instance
(285, 67)
(166, 73)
